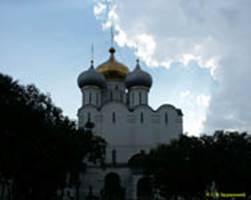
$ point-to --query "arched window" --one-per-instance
(83, 97)
(111, 95)
(96, 98)
(166, 118)
(113, 117)
(121, 96)
(89, 116)
(114, 157)
(140, 98)
(141, 118)
(112, 181)
(90, 97)
(133, 98)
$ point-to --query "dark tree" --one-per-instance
(188, 166)
(38, 145)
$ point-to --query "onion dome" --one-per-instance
(112, 69)
(138, 77)
(91, 78)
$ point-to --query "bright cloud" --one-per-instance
(195, 108)
(203, 100)
(136, 34)
(99, 9)
(215, 34)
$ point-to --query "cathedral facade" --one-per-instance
(116, 101)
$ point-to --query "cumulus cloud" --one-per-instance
(99, 9)
(215, 34)
(194, 107)
(160, 32)
(203, 100)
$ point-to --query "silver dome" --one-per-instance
(91, 77)
(138, 77)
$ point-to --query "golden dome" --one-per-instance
(112, 69)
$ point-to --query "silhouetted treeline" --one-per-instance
(39, 147)
(190, 166)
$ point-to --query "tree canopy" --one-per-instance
(188, 166)
(39, 146)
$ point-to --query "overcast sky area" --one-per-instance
(198, 52)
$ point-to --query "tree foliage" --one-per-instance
(38, 145)
(188, 166)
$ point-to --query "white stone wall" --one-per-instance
(128, 132)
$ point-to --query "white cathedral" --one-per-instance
(116, 101)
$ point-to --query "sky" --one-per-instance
(197, 51)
